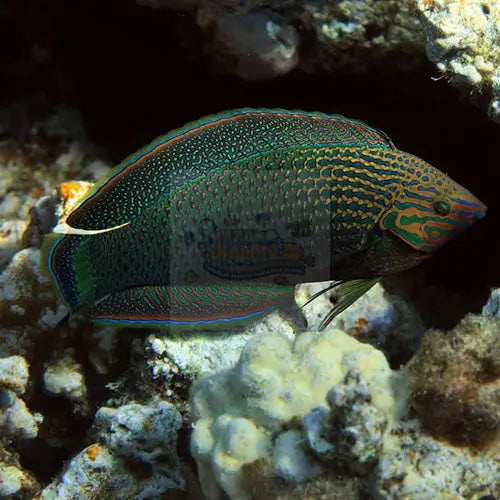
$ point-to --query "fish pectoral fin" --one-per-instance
(347, 292)
(331, 286)
(64, 228)
(203, 306)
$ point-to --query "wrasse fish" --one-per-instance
(213, 224)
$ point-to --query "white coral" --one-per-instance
(276, 382)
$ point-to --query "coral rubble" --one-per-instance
(14, 481)
(65, 377)
(16, 422)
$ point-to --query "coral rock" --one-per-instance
(419, 467)
(15, 482)
(492, 307)
(16, 421)
(64, 377)
(259, 39)
(144, 432)
(136, 459)
(28, 304)
(261, 48)
(14, 374)
(463, 40)
(379, 318)
(352, 432)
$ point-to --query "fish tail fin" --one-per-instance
(207, 307)
(69, 266)
(48, 242)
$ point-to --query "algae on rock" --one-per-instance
(455, 379)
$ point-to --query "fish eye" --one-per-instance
(442, 207)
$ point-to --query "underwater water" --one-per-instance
(228, 228)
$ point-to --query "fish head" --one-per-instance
(430, 208)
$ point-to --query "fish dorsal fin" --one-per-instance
(186, 154)
(64, 228)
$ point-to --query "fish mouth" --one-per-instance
(481, 212)
(473, 209)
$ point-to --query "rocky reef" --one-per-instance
(316, 412)
(272, 407)
(259, 40)
(462, 39)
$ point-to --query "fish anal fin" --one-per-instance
(207, 307)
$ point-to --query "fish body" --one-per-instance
(216, 222)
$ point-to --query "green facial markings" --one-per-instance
(430, 208)
(390, 222)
